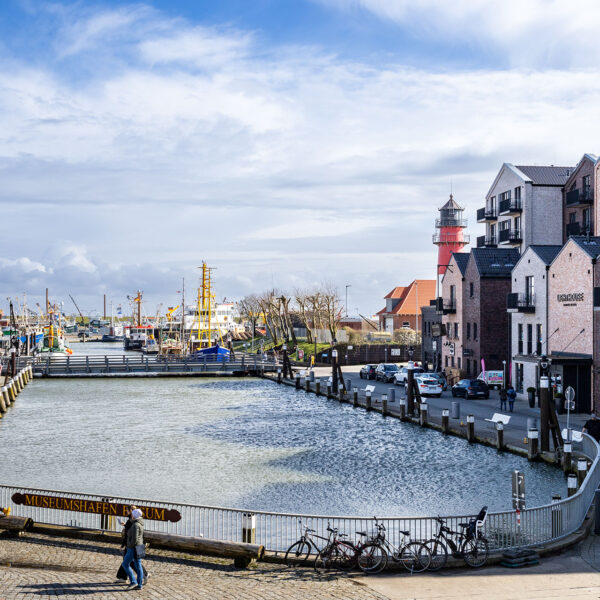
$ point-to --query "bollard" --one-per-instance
(392, 395)
(572, 484)
(455, 412)
(445, 420)
(307, 384)
(556, 511)
(3, 406)
(403, 409)
(279, 376)
(384, 405)
(5, 396)
(423, 414)
(368, 401)
(500, 436)
(531, 423)
(341, 394)
(581, 470)
(532, 444)
(25, 376)
(312, 375)
(470, 428)
(11, 391)
(318, 387)
(248, 528)
(567, 457)
(17, 382)
(328, 389)
(355, 397)
(297, 381)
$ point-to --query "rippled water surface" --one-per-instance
(248, 443)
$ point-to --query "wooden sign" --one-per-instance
(98, 507)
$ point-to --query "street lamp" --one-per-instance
(504, 374)
(347, 286)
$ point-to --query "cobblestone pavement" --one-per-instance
(40, 567)
(589, 550)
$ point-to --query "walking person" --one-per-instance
(121, 573)
(512, 395)
(503, 396)
(135, 550)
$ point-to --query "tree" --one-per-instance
(249, 309)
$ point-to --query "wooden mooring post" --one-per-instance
(297, 381)
(571, 484)
(279, 376)
(307, 384)
(318, 387)
(470, 428)
(532, 444)
(355, 397)
(423, 408)
(582, 467)
(567, 457)
(403, 409)
(368, 400)
(500, 436)
(384, 405)
(445, 420)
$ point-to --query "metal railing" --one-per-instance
(277, 531)
(139, 363)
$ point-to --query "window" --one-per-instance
(452, 295)
(468, 331)
(471, 289)
(538, 339)
(452, 358)
(529, 338)
(458, 362)
(468, 367)
(493, 203)
(517, 223)
(406, 324)
(529, 290)
(519, 377)
(493, 230)
(456, 330)
(586, 186)
(517, 193)
(572, 217)
(505, 196)
(446, 361)
(504, 225)
(586, 220)
(520, 338)
(475, 331)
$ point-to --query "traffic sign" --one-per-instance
(570, 394)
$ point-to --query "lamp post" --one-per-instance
(334, 373)
(410, 377)
(504, 374)
(544, 404)
(347, 286)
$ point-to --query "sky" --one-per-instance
(287, 143)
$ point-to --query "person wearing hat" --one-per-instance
(135, 539)
(121, 573)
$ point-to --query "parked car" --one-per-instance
(401, 376)
(428, 386)
(367, 372)
(385, 372)
(441, 378)
(471, 388)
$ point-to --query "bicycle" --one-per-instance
(470, 544)
(415, 556)
(297, 554)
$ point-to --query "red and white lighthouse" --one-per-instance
(450, 236)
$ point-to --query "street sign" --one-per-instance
(300, 354)
(570, 394)
(395, 352)
(518, 490)
(569, 405)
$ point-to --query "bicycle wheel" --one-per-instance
(325, 559)
(372, 558)
(346, 558)
(297, 554)
(439, 554)
(475, 552)
(415, 557)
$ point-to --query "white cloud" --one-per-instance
(167, 159)
(531, 32)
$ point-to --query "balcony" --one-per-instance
(510, 206)
(578, 197)
(448, 306)
(577, 228)
(485, 241)
(451, 237)
(510, 236)
(486, 214)
(524, 303)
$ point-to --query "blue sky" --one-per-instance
(286, 142)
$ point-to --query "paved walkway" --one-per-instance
(41, 567)
(46, 567)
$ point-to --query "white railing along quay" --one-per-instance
(277, 531)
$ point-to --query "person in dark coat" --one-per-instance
(121, 573)
(592, 427)
(512, 396)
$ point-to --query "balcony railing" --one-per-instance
(510, 236)
(486, 214)
(448, 306)
(451, 237)
(577, 228)
(485, 241)
(577, 196)
(520, 303)
(510, 205)
(447, 222)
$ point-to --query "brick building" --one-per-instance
(524, 206)
(573, 323)
(578, 199)
(403, 306)
(431, 347)
(452, 308)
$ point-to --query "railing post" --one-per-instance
(532, 444)
(470, 428)
(445, 420)
(500, 436)
(556, 510)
